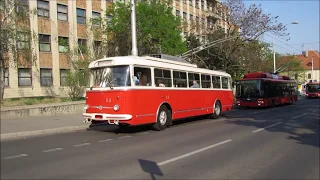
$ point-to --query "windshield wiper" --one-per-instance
(110, 84)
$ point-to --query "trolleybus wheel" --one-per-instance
(217, 110)
(163, 118)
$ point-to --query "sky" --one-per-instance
(306, 12)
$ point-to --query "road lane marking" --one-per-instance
(52, 150)
(299, 116)
(105, 140)
(192, 153)
(124, 137)
(16, 156)
(79, 145)
(266, 127)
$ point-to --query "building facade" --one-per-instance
(310, 61)
(57, 21)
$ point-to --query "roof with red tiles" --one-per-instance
(306, 59)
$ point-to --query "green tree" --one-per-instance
(15, 37)
(158, 30)
(234, 56)
(77, 79)
(292, 67)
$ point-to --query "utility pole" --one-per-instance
(133, 29)
(312, 69)
(274, 59)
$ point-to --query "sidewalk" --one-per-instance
(39, 125)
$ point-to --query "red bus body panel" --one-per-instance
(143, 104)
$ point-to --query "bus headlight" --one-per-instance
(116, 107)
(85, 107)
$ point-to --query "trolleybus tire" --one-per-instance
(217, 110)
(163, 118)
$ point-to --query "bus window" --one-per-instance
(179, 79)
(216, 82)
(225, 83)
(142, 76)
(162, 78)
(116, 76)
(205, 81)
(194, 80)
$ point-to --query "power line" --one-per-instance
(284, 43)
(306, 43)
(279, 46)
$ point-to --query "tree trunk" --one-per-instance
(2, 76)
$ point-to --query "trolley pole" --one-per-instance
(133, 29)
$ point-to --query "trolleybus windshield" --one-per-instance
(114, 76)
(248, 88)
(313, 88)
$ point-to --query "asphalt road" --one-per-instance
(273, 143)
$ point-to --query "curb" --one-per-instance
(36, 133)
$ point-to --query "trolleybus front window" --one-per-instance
(249, 88)
(116, 76)
(313, 88)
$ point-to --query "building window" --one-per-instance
(96, 19)
(184, 15)
(44, 43)
(43, 8)
(63, 77)
(62, 11)
(6, 77)
(46, 77)
(177, 13)
(81, 16)
(190, 3)
(22, 7)
(63, 44)
(23, 40)
(202, 5)
(309, 75)
(24, 77)
(82, 45)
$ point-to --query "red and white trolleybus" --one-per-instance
(261, 89)
(313, 90)
(154, 89)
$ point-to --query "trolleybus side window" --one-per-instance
(142, 76)
(216, 82)
(179, 79)
(162, 78)
(205, 81)
(194, 80)
(225, 83)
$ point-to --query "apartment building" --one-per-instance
(56, 21)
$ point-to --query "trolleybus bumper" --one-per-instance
(111, 118)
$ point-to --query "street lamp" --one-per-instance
(274, 54)
(133, 29)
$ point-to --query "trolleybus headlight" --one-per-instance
(85, 107)
(116, 107)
